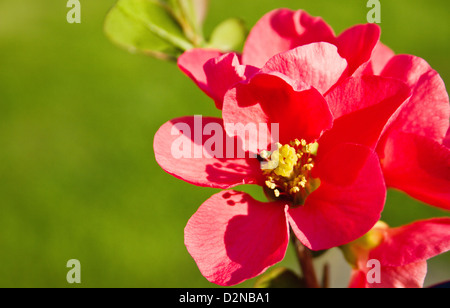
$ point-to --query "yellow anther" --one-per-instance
(287, 159)
(270, 184)
(308, 166)
(294, 190)
(264, 154)
(312, 148)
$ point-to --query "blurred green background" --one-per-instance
(78, 178)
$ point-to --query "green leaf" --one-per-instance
(146, 26)
(280, 277)
(229, 35)
(190, 14)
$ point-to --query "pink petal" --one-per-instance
(191, 63)
(363, 108)
(418, 241)
(418, 166)
(358, 279)
(357, 43)
(428, 110)
(270, 99)
(224, 72)
(317, 64)
(381, 55)
(347, 203)
(447, 140)
(356, 93)
(281, 30)
(408, 276)
(233, 237)
(213, 72)
(180, 149)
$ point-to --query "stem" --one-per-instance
(189, 22)
(326, 276)
(305, 260)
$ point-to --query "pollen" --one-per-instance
(287, 159)
(288, 171)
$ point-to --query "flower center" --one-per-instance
(288, 171)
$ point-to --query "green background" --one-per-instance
(78, 178)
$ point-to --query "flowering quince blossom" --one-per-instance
(342, 103)
(413, 149)
(327, 185)
(401, 252)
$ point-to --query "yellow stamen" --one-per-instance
(288, 170)
(276, 192)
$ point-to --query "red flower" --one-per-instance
(324, 179)
(414, 147)
(414, 150)
(329, 196)
(279, 31)
(400, 254)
